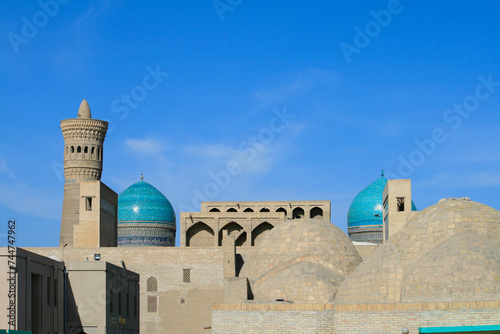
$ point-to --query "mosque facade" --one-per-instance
(266, 267)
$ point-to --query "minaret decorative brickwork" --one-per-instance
(83, 155)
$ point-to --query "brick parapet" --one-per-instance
(410, 307)
(350, 318)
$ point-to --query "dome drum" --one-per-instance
(137, 235)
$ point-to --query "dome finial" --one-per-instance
(382, 173)
(84, 110)
(142, 176)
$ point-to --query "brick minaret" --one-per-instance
(83, 155)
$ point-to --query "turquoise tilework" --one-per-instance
(366, 208)
(141, 202)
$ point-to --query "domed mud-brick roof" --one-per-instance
(447, 252)
(299, 256)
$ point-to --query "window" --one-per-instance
(264, 210)
(231, 210)
(79, 149)
(119, 302)
(386, 225)
(135, 305)
(55, 293)
(72, 149)
(152, 284)
(128, 304)
(152, 304)
(110, 300)
(49, 296)
(214, 210)
(88, 203)
(248, 210)
(186, 275)
(86, 150)
(401, 203)
(98, 153)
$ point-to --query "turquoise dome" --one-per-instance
(364, 219)
(366, 208)
(145, 217)
(141, 202)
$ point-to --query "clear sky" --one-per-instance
(308, 99)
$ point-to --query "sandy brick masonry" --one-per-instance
(391, 318)
(351, 318)
(272, 318)
(182, 307)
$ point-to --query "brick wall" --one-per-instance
(392, 318)
(272, 318)
(182, 307)
(350, 319)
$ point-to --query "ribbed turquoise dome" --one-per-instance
(141, 202)
(366, 208)
(145, 217)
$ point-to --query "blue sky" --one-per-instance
(310, 99)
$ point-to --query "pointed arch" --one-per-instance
(152, 284)
(241, 240)
(200, 234)
(298, 213)
(259, 231)
(282, 210)
(316, 212)
(229, 227)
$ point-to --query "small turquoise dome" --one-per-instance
(145, 217)
(364, 219)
